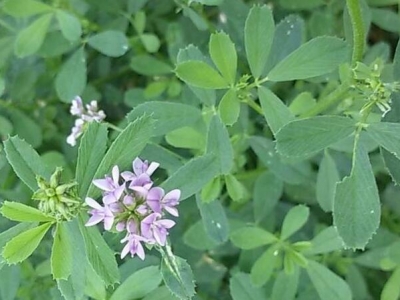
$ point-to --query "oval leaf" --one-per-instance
(242, 288)
(316, 57)
(62, 252)
(31, 38)
(229, 108)
(22, 246)
(71, 80)
(200, 74)
(69, 25)
(258, 36)
(386, 135)
(22, 213)
(112, 43)
(25, 8)
(356, 208)
(251, 237)
(302, 138)
(223, 54)
(264, 266)
(294, 220)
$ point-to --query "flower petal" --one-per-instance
(93, 203)
(140, 251)
(115, 174)
(155, 194)
(104, 184)
(95, 219)
(153, 166)
(166, 223)
(172, 196)
(138, 165)
(126, 250)
(172, 210)
(108, 222)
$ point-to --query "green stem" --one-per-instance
(112, 126)
(357, 24)
(335, 97)
(254, 106)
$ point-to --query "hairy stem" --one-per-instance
(357, 24)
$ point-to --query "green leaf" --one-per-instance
(328, 284)
(25, 8)
(236, 190)
(303, 102)
(69, 25)
(293, 173)
(294, 220)
(223, 54)
(356, 208)
(267, 190)
(197, 238)
(251, 237)
(386, 19)
(214, 220)
(275, 111)
(22, 246)
(112, 43)
(192, 176)
(326, 241)
(300, 5)
(219, 144)
(187, 137)
(178, 276)
(62, 252)
(22, 213)
(12, 232)
(25, 161)
(100, 256)
(285, 285)
(161, 293)
(287, 38)
(138, 285)
(74, 287)
(91, 152)
(151, 42)
(26, 128)
(200, 74)
(150, 66)
(31, 38)
(71, 79)
(258, 36)
(264, 266)
(189, 53)
(386, 135)
(125, 148)
(211, 190)
(303, 138)
(11, 278)
(317, 57)
(241, 288)
(391, 290)
(392, 164)
(229, 107)
(327, 178)
(167, 116)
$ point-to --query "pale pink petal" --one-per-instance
(137, 165)
(95, 219)
(128, 200)
(103, 184)
(109, 198)
(125, 251)
(172, 210)
(140, 251)
(93, 203)
(155, 205)
(115, 174)
(108, 222)
(120, 226)
(127, 175)
(166, 223)
(131, 226)
(155, 193)
(153, 166)
(142, 192)
(158, 236)
(118, 192)
(173, 195)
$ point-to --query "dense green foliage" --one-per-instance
(277, 120)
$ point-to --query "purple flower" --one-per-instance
(158, 200)
(77, 107)
(113, 190)
(141, 173)
(76, 132)
(99, 213)
(133, 246)
(155, 229)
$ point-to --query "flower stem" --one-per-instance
(254, 106)
(333, 98)
(357, 24)
(112, 126)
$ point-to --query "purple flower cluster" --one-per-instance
(132, 204)
(90, 114)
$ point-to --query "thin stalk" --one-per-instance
(112, 126)
(357, 24)
(254, 106)
(335, 97)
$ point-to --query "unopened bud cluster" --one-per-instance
(60, 201)
(371, 87)
(90, 114)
